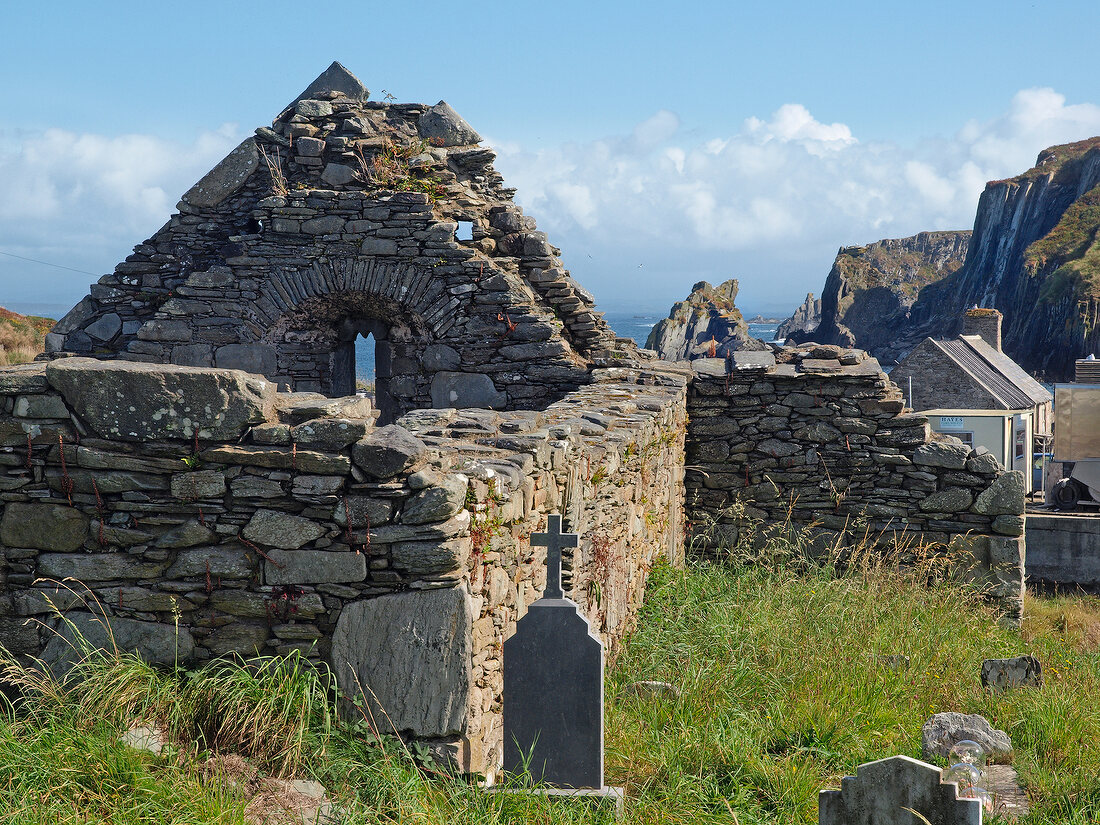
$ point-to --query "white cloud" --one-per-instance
(771, 203)
(83, 200)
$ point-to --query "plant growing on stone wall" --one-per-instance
(275, 168)
(390, 169)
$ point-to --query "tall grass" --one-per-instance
(22, 337)
(785, 681)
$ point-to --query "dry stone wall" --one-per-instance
(820, 436)
(271, 522)
(342, 219)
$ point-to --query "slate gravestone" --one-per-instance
(881, 792)
(553, 684)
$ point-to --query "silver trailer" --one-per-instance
(1077, 445)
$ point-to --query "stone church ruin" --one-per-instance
(340, 220)
(191, 447)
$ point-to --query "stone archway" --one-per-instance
(314, 345)
(344, 362)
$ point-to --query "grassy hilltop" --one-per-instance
(21, 336)
(781, 692)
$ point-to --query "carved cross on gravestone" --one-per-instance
(553, 684)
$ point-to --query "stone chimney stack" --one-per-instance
(984, 322)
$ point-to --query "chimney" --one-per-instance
(985, 323)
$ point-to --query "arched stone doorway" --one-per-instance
(315, 347)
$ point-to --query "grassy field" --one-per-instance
(21, 336)
(781, 693)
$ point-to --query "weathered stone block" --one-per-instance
(276, 529)
(314, 567)
(365, 512)
(1021, 671)
(430, 558)
(411, 654)
(106, 327)
(97, 567)
(942, 454)
(40, 406)
(188, 534)
(324, 225)
(440, 357)
(225, 178)
(232, 561)
(950, 500)
(133, 401)
(163, 329)
(437, 503)
(443, 126)
(466, 389)
(943, 730)
(338, 174)
(280, 458)
(248, 604)
(252, 358)
(1005, 496)
(388, 451)
(983, 462)
(316, 485)
(331, 434)
(23, 378)
(198, 484)
(378, 246)
(43, 526)
(242, 638)
(162, 644)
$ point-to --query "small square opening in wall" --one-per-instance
(465, 231)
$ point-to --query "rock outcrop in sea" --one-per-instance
(804, 320)
(706, 324)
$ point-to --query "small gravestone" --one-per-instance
(553, 687)
(1021, 671)
(897, 791)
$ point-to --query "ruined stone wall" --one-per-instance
(819, 436)
(271, 522)
(342, 219)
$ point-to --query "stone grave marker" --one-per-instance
(553, 684)
(881, 791)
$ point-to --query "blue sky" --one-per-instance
(659, 144)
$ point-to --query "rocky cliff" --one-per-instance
(870, 290)
(1034, 254)
(804, 320)
(706, 323)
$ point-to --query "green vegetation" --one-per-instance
(22, 337)
(782, 691)
(392, 168)
(904, 272)
(1063, 161)
(1069, 255)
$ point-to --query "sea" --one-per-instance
(634, 324)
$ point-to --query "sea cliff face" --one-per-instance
(1034, 254)
(706, 323)
(870, 289)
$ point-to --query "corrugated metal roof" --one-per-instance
(1087, 372)
(995, 371)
